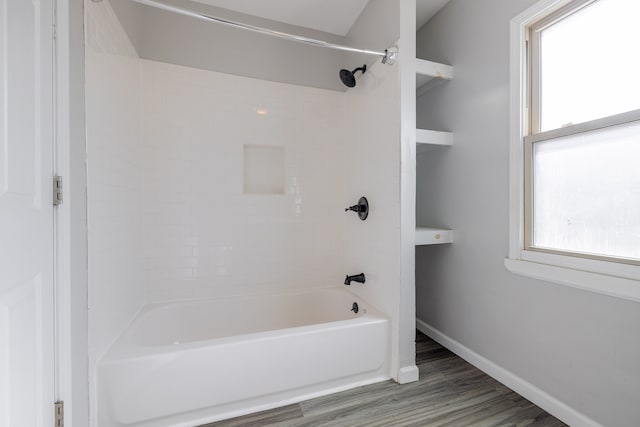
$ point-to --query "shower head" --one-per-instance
(348, 78)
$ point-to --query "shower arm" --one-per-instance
(389, 56)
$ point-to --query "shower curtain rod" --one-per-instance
(389, 56)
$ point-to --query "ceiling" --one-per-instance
(331, 16)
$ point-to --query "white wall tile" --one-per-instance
(115, 192)
(373, 246)
(195, 126)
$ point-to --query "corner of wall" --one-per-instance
(407, 117)
(377, 28)
(103, 31)
(113, 121)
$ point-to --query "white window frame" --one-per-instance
(596, 275)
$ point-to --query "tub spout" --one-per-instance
(355, 278)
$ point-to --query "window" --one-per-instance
(582, 182)
(576, 138)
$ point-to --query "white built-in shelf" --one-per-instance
(433, 236)
(429, 71)
(427, 139)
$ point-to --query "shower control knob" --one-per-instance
(362, 208)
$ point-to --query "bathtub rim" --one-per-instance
(124, 348)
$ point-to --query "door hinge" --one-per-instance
(57, 190)
(59, 418)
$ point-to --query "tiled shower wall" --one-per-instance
(373, 246)
(169, 217)
(204, 235)
(114, 167)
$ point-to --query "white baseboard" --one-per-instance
(408, 374)
(539, 397)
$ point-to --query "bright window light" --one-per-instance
(582, 179)
(586, 193)
(589, 64)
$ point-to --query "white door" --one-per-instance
(26, 214)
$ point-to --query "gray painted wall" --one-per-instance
(168, 37)
(377, 28)
(582, 348)
(130, 16)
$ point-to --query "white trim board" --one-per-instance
(71, 356)
(517, 117)
(524, 388)
(403, 368)
(408, 374)
(619, 287)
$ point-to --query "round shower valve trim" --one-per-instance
(362, 208)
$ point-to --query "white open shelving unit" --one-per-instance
(428, 75)
(429, 139)
(433, 236)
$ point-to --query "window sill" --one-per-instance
(604, 284)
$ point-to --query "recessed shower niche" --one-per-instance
(263, 169)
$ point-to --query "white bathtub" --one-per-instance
(187, 363)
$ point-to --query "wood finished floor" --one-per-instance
(450, 392)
